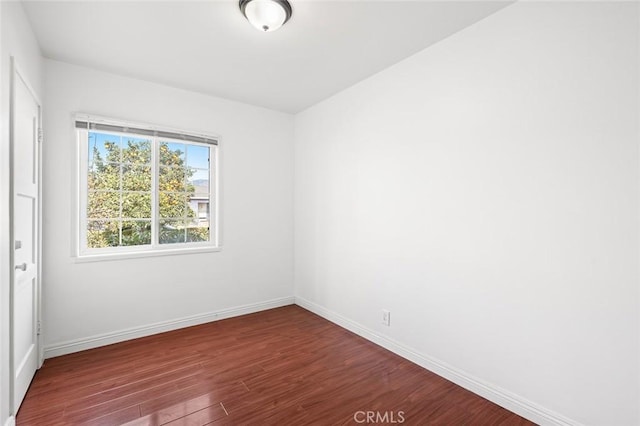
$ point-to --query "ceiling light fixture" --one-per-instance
(266, 15)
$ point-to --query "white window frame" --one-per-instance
(85, 254)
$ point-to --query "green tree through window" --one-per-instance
(119, 191)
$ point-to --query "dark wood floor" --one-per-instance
(284, 366)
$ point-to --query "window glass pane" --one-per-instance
(103, 148)
(198, 181)
(135, 233)
(191, 212)
(172, 179)
(198, 156)
(197, 234)
(172, 231)
(203, 210)
(172, 154)
(199, 209)
(103, 233)
(136, 205)
(136, 150)
(103, 205)
(136, 178)
(172, 205)
(104, 176)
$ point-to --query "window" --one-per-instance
(145, 190)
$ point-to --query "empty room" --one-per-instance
(319, 212)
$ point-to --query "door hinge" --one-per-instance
(40, 136)
(39, 328)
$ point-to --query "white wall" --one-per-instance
(255, 265)
(485, 191)
(18, 41)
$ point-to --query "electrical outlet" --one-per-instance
(386, 317)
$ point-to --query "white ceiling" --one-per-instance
(209, 47)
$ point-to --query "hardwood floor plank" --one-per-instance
(276, 367)
(195, 398)
(200, 417)
(113, 418)
(125, 372)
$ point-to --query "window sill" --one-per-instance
(147, 253)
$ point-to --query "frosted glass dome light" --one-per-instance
(266, 15)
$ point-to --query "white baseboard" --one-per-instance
(11, 421)
(503, 398)
(91, 342)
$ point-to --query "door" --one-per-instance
(25, 147)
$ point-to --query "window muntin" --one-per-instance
(145, 192)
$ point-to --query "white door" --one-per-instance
(25, 131)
